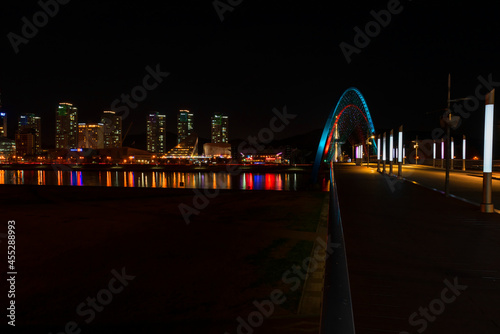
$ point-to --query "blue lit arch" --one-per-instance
(353, 120)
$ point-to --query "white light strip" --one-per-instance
(384, 153)
(463, 149)
(488, 139)
(400, 147)
(378, 148)
(442, 150)
(391, 146)
(434, 150)
(452, 149)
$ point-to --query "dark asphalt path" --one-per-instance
(404, 244)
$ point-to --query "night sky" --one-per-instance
(264, 55)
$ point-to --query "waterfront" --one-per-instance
(153, 179)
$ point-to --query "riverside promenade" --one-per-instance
(418, 262)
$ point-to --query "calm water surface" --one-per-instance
(152, 179)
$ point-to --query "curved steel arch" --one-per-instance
(352, 102)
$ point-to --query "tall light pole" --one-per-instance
(384, 153)
(400, 153)
(442, 152)
(378, 153)
(449, 139)
(463, 153)
(487, 205)
(448, 143)
(452, 152)
(391, 151)
(433, 153)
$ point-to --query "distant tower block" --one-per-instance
(184, 125)
(220, 129)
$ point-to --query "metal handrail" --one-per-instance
(337, 314)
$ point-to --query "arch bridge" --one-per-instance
(349, 122)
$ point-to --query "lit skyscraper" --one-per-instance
(184, 125)
(219, 129)
(26, 142)
(3, 120)
(31, 122)
(91, 135)
(112, 129)
(3, 124)
(66, 126)
(156, 131)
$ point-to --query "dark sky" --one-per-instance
(265, 54)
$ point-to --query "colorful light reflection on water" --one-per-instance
(150, 179)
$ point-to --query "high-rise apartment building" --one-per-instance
(31, 122)
(91, 135)
(112, 129)
(156, 133)
(219, 128)
(184, 125)
(66, 126)
(3, 124)
(25, 142)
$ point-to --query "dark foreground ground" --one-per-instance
(418, 262)
(72, 243)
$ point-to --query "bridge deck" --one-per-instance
(403, 244)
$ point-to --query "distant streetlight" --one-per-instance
(442, 153)
(448, 138)
(463, 153)
(433, 153)
(391, 151)
(487, 205)
(378, 153)
(368, 143)
(452, 152)
(400, 153)
(384, 153)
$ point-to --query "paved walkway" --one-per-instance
(418, 262)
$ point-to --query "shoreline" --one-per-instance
(303, 168)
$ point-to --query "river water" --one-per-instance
(154, 179)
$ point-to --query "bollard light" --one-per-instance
(400, 145)
(487, 205)
(378, 147)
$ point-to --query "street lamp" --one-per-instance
(442, 152)
(368, 143)
(384, 153)
(378, 153)
(487, 205)
(463, 153)
(449, 123)
(400, 152)
(433, 153)
(452, 152)
(391, 153)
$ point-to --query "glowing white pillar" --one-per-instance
(434, 153)
(487, 205)
(400, 152)
(452, 150)
(378, 153)
(384, 151)
(463, 153)
(442, 153)
(391, 153)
